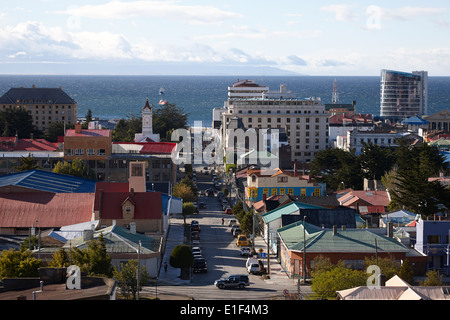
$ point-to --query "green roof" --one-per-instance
(119, 240)
(349, 240)
(286, 209)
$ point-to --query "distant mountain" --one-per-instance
(140, 68)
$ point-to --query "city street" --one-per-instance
(223, 258)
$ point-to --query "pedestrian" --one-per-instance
(223, 220)
(165, 266)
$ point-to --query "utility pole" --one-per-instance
(268, 250)
(304, 250)
(138, 271)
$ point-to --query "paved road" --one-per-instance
(223, 258)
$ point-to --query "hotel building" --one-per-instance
(403, 95)
(304, 120)
(45, 105)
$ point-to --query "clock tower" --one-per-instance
(147, 134)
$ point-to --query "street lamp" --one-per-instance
(304, 250)
(39, 241)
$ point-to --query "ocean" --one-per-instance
(115, 97)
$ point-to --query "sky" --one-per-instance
(285, 37)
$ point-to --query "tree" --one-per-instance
(18, 264)
(125, 129)
(328, 281)
(181, 257)
(127, 278)
(93, 260)
(336, 166)
(75, 168)
(185, 190)
(17, 121)
(375, 161)
(28, 163)
(188, 209)
(55, 130)
(168, 118)
(60, 259)
(433, 279)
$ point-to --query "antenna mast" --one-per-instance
(335, 97)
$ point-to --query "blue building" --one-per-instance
(433, 240)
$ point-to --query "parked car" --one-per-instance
(195, 243)
(232, 222)
(195, 235)
(196, 250)
(200, 265)
(236, 232)
(229, 210)
(233, 281)
(234, 227)
(242, 240)
(246, 251)
(195, 227)
(202, 205)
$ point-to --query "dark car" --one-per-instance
(233, 281)
(200, 265)
(202, 205)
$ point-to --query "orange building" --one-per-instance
(87, 144)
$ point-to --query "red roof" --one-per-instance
(158, 147)
(8, 144)
(88, 133)
(148, 205)
(52, 210)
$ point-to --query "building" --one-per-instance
(267, 183)
(394, 289)
(45, 154)
(45, 105)
(299, 240)
(433, 240)
(304, 120)
(403, 95)
(439, 121)
(354, 139)
(340, 124)
(147, 134)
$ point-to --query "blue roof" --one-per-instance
(415, 121)
(48, 181)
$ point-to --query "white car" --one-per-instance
(246, 251)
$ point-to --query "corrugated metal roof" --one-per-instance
(21, 210)
(349, 240)
(119, 240)
(48, 181)
(286, 209)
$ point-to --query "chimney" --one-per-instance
(264, 197)
(334, 230)
(88, 234)
(133, 227)
(77, 127)
(389, 229)
(131, 191)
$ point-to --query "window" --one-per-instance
(266, 191)
(274, 192)
(101, 152)
(79, 152)
(282, 191)
(290, 191)
(303, 192)
(90, 152)
(316, 192)
(282, 179)
(69, 152)
(136, 170)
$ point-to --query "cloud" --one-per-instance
(293, 59)
(409, 13)
(193, 14)
(342, 12)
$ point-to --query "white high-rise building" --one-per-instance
(304, 120)
(403, 95)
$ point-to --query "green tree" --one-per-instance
(94, 259)
(327, 282)
(55, 130)
(433, 279)
(18, 264)
(18, 121)
(125, 129)
(185, 190)
(76, 168)
(127, 278)
(375, 161)
(60, 259)
(188, 209)
(335, 166)
(28, 163)
(167, 118)
(181, 257)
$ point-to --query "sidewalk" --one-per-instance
(277, 274)
(174, 237)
